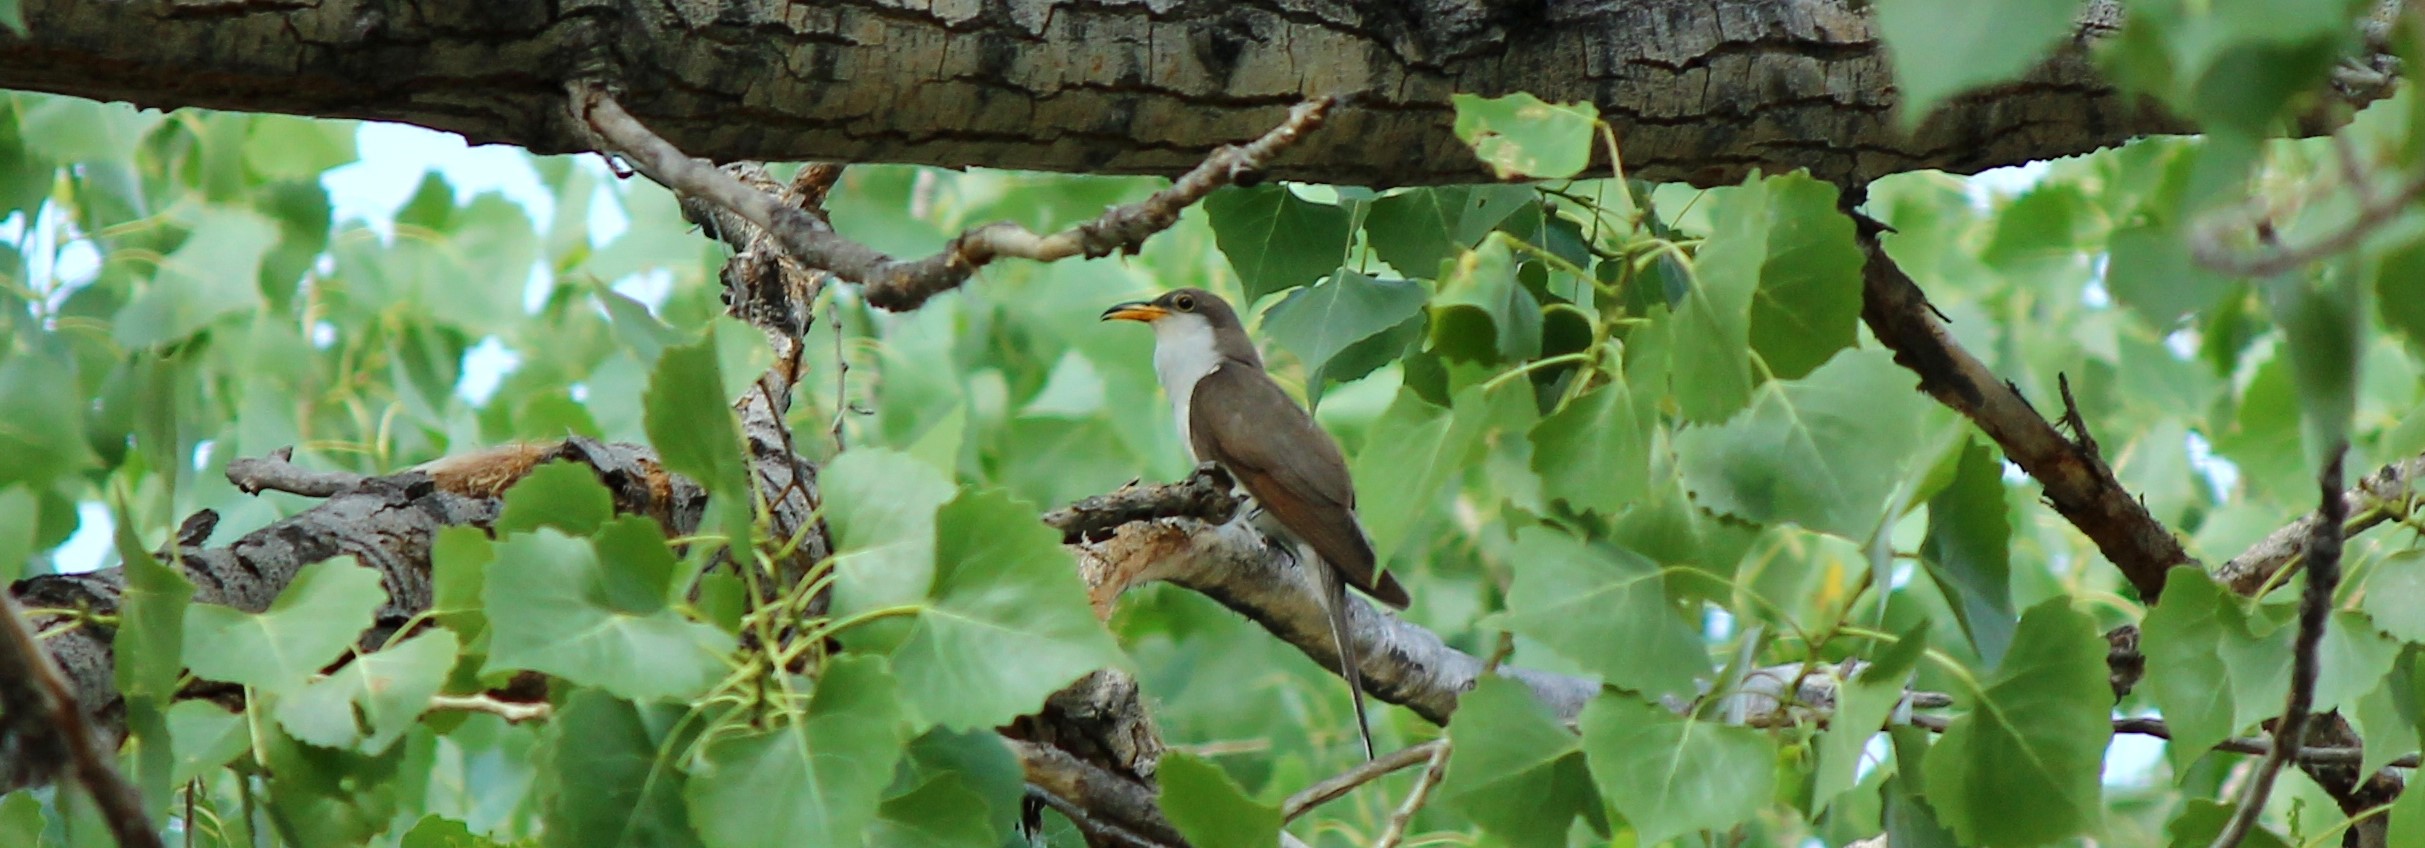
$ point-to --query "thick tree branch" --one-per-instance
(902, 285)
(1699, 91)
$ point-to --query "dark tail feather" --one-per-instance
(1334, 600)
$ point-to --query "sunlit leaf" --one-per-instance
(1670, 774)
(1209, 808)
(1521, 136)
(2021, 765)
(829, 769)
(318, 615)
(1580, 599)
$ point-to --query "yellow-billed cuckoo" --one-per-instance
(1231, 414)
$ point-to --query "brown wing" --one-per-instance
(1307, 488)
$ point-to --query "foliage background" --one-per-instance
(1638, 426)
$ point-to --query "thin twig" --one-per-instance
(2258, 745)
(2315, 610)
(901, 285)
(1344, 782)
(2374, 211)
(39, 711)
(1396, 831)
(514, 712)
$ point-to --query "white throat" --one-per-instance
(1183, 354)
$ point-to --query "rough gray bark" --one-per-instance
(1700, 90)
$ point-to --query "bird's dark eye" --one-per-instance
(1185, 302)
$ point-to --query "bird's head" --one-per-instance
(1188, 306)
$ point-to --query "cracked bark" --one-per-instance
(1699, 91)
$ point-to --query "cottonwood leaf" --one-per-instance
(1670, 774)
(941, 812)
(587, 621)
(1004, 587)
(1861, 710)
(1943, 49)
(1521, 136)
(1319, 321)
(1274, 239)
(215, 273)
(880, 505)
(1480, 312)
(1968, 549)
(1417, 229)
(2186, 674)
(2395, 592)
(1823, 451)
(829, 769)
(564, 494)
(1407, 461)
(369, 703)
(1808, 300)
(1515, 769)
(1606, 608)
(315, 619)
(691, 424)
(1594, 453)
(2022, 765)
(604, 779)
(1209, 809)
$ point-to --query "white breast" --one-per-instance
(1183, 354)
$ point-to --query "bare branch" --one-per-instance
(1096, 800)
(2315, 610)
(2375, 209)
(41, 721)
(1337, 786)
(276, 472)
(1396, 831)
(514, 712)
(899, 285)
(2258, 745)
(2077, 481)
(2388, 494)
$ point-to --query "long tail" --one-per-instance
(1334, 602)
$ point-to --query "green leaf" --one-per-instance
(1516, 770)
(283, 147)
(2202, 820)
(1480, 312)
(2152, 273)
(2377, 718)
(692, 426)
(1824, 451)
(1417, 229)
(1209, 809)
(1968, 549)
(41, 429)
(2394, 592)
(1809, 296)
(214, 274)
(1407, 461)
(2399, 291)
(1712, 327)
(1275, 240)
(2407, 826)
(563, 494)
(941, 813)
(1861, 710)
(1606, 608)
(2323, 324)
(829, 770)
(20, 819)
(880, 506)
(1671, 775)
(1004, 586)
(1521, 136)
(12, 15)
(607, 776)
(576, 617)
(369, 704)
(2021, 766)
(1318, 321)
(205, 736)
(325, 796)
(1943, 49)
(68, 129)
(314, 620)
(459, 561)
(1594, 453)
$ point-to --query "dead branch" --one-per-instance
(899, 285)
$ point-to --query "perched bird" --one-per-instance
(1231, 414)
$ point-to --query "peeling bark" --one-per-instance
(1699, 91)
